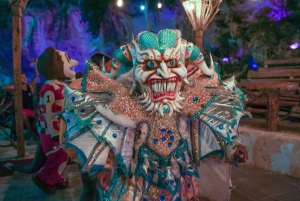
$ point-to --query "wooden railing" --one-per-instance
(7, 118)
(274, 90)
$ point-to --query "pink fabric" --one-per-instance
(52, 172)
(28, 112)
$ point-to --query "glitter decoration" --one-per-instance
(195, 99)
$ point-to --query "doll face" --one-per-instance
(68, 63)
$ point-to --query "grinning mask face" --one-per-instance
(159, 70)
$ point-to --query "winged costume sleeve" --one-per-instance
(99, 119)
(215, 109)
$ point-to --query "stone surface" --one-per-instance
(275, 151)
(251, 184)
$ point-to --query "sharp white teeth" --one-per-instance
(156, 106)
(165, 86)
(179, 98)
(156, 87)
(178, 105)
(145, 100)
(171, 111)
(173, 86)
(160, 111)
(142, 96)
(185, 80)
(169, 86)
(150, 107)
(148, 103)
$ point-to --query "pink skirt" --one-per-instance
(29, 112)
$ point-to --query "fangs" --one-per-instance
(163, 87)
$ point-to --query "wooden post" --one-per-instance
(17, 7)
(272, 109)
(199, 39)
(147, 15)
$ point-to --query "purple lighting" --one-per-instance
(277, 15)
(295, 45)
(225, 60)
(278, 10)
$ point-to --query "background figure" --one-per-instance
(29, 114)
(54, 66)
(97, 59)
(78, 75)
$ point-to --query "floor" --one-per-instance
(251, 184)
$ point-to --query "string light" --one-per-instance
(120, 3)
(142, 7)
(192, 6)
(159, 5)
(295, 45)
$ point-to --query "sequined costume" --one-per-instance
(160, 122)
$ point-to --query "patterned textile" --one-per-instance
(175, 115)
(51, 101)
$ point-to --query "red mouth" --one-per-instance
(191, 70)
(163, 88)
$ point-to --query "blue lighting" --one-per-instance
(142, 7)
(253, 65)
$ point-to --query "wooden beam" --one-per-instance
(282, 84)
(254, 81)
(281, 61)
(282, 97)
(274, 72)
(264, 111)
(16, 47)
(263, 103)
(282, 94)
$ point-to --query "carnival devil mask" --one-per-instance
(158, 68)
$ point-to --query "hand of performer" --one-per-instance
(104, 177)
(241, 154)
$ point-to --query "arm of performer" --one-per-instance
(32, 84)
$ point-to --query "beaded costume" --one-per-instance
(171, 112)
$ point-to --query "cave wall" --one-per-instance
(42, 28)
(260, 29)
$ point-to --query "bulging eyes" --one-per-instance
(151, 65)
(154, 64)
(171, 63)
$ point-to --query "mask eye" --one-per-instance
(68, 58)
(171, 63)
(151, 65)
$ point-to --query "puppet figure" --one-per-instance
(144, 138)
(54, 66)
